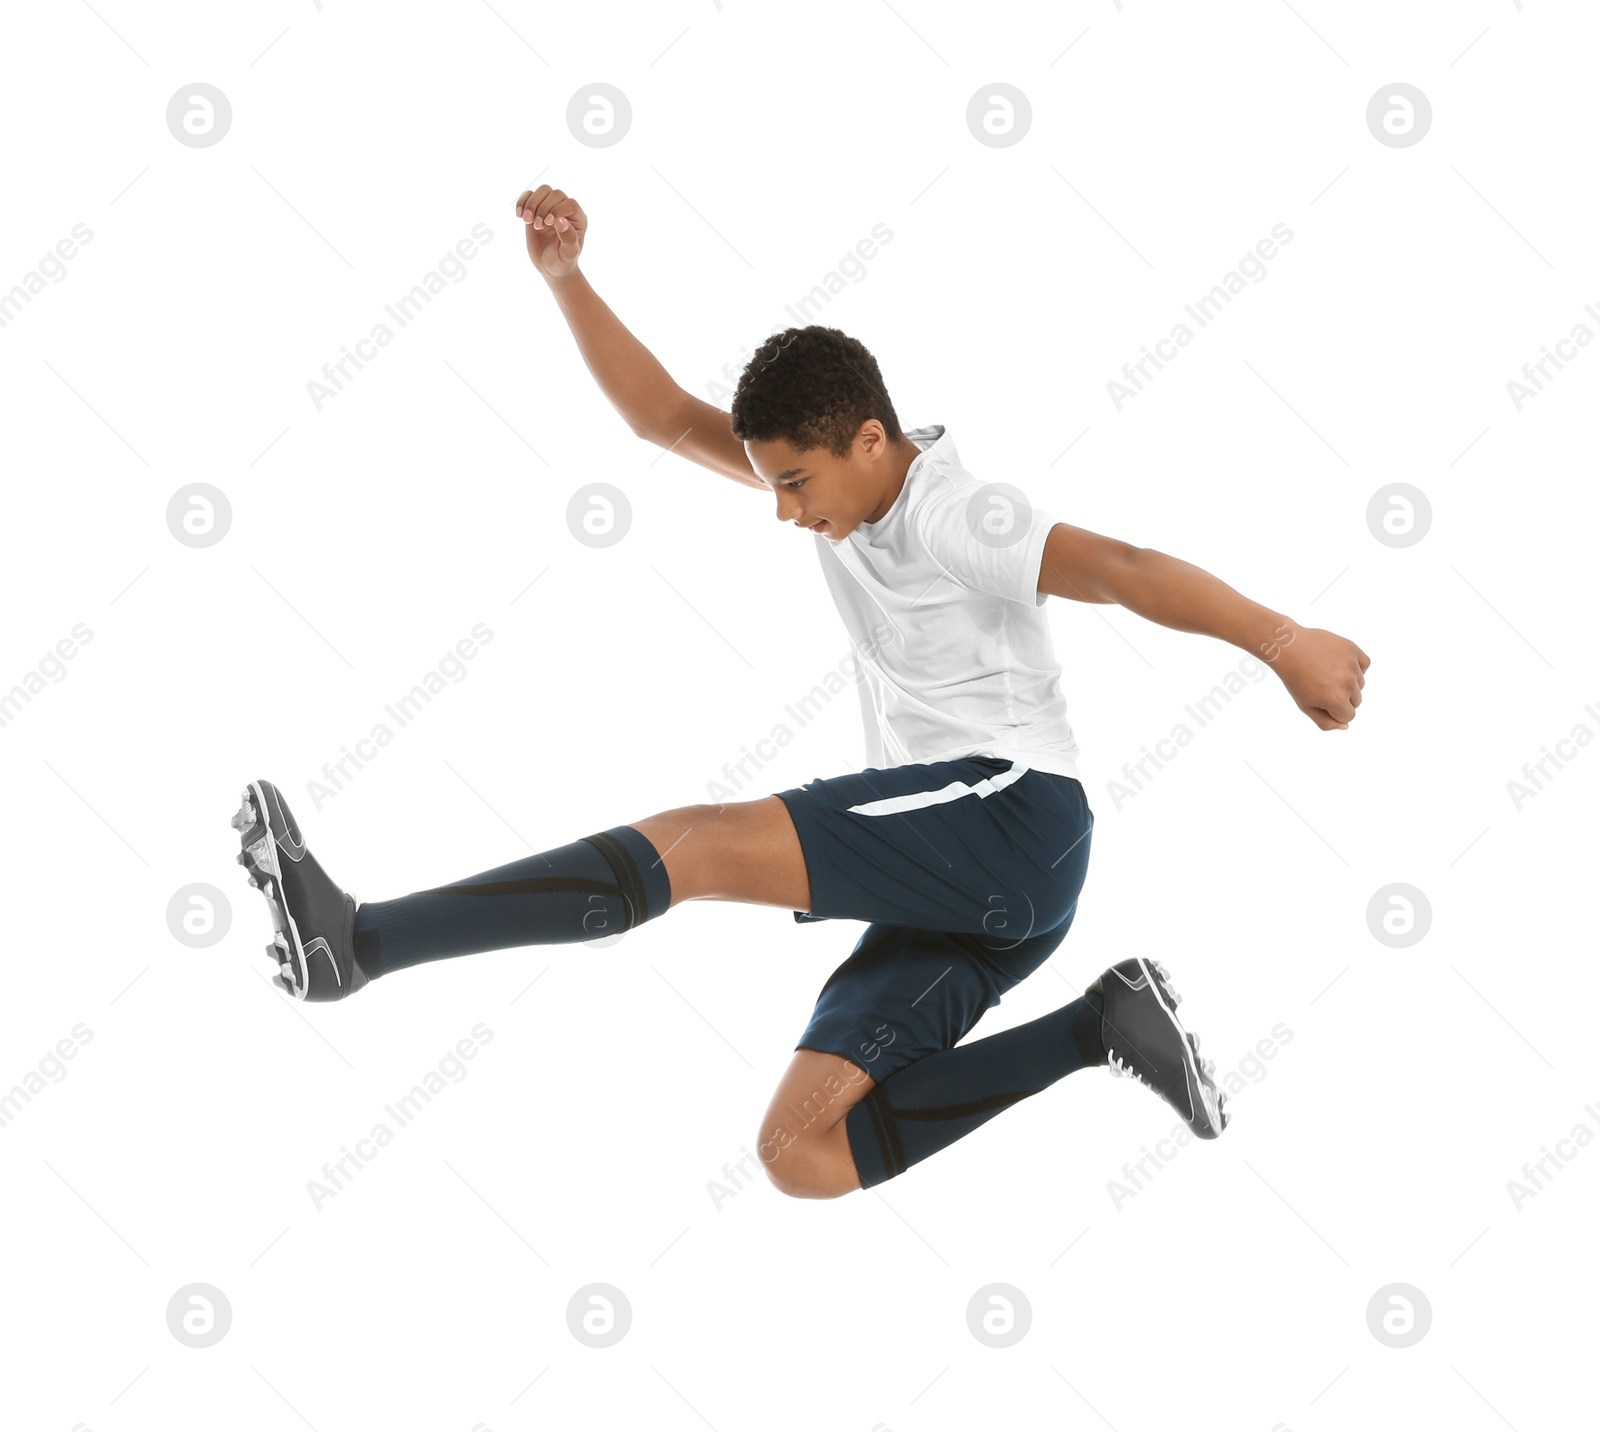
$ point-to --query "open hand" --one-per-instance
(1323, 671)
(555, 229)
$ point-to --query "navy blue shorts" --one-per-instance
(967, 872)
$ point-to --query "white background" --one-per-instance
(369, 537)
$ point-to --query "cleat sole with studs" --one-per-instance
(259, 857)
(1204, 1069)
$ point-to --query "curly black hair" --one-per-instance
(813, 387)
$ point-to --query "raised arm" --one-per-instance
(638, 387)
(1322, 671)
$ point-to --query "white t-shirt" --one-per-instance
(940, 597)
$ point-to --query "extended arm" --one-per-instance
(638, 387)
(1322, 671)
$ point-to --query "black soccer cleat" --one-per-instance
(1143, 1040)
(313, 920)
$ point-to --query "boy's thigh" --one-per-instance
(904, 993)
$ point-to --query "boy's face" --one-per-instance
(823, 493)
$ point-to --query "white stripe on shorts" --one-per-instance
(916, 800)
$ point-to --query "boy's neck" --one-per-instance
(904, 455)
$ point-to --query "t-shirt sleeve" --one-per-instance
(986, 541)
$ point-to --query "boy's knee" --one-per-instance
(779, 1163)
(799, 1172)
(693, 843)
(803, 1184)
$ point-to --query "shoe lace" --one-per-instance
(1121, 1069)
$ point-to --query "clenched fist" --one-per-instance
(1323, 671)
(555, 229)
